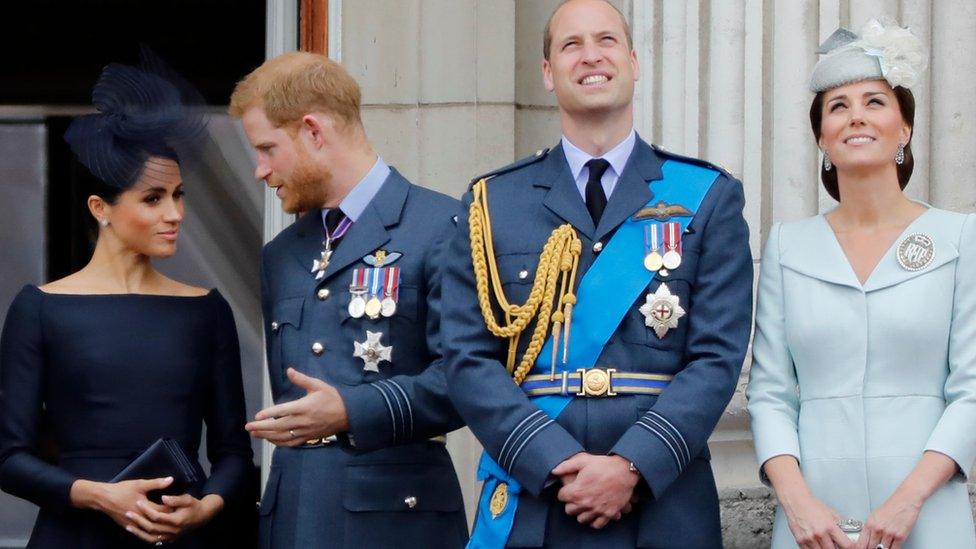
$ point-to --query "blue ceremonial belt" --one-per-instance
(606, 293)
(571, 383)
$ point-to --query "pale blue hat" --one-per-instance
(880, 52)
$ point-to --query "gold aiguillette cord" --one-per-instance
(557, 269)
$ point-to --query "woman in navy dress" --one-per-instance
(97, 366)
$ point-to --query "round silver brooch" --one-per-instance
(916, 252)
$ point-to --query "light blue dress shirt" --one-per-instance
(617, 157)
(359, 197)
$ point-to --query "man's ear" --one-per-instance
(547, 75)
(317, 129)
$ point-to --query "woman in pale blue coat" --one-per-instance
(863, 383)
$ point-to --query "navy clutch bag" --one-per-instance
(164, 458)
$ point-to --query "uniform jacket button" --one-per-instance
(274, 326)
(523, 274)
(597, 247)
(323, 294)
(317, 349)
(411, 502)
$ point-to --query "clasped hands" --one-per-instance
(814, 524)
(127, 503)
(596, 489)
(319, 414)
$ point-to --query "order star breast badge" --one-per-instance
(662, 310)
(372, 351)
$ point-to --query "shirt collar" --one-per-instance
(617, 156)
(354, 204)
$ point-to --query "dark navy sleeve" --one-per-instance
(514, 431)
(676, 428)
(22, 473)
(228, 445)
(408, 407)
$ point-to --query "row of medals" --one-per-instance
(657, 263)
(372, 306)
(662, 309)
(671, 259)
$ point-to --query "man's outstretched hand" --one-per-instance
(319, 414)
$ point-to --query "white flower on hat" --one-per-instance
(899, 52)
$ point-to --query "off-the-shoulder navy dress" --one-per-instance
(89, 381)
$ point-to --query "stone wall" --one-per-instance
(747, 516)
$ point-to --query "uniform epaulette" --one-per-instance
(539, 155)
(693, 160)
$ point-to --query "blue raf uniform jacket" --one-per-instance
(665, 436)
(385, 484)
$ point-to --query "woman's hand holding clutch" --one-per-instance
(891, 523)
(813, 524)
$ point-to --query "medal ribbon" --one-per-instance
(376, 281)
(392, 284)
(672, 237)
(341, 228)
(652, 238)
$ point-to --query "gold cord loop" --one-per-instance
(558, 266)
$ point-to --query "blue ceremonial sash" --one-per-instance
(607, 291)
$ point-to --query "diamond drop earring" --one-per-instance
(828, 165)
(900, 155)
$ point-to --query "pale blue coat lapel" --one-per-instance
(817, 253)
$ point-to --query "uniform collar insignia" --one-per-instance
(662, 211)
(381, 258)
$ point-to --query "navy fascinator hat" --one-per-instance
(143, 111)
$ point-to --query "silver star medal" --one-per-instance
(319, 265)
(372, 351)
(662, 310)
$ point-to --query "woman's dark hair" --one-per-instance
(906, 104)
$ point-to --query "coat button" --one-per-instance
(411, 502)
(323, 294)
(274, 326)
(317, 349)
(523, 274)
(597, 247)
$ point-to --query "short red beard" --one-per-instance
(306, 186)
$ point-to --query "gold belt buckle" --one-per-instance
(596, 382)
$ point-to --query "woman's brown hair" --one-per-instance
(906, 104)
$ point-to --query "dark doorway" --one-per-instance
(52, 51)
